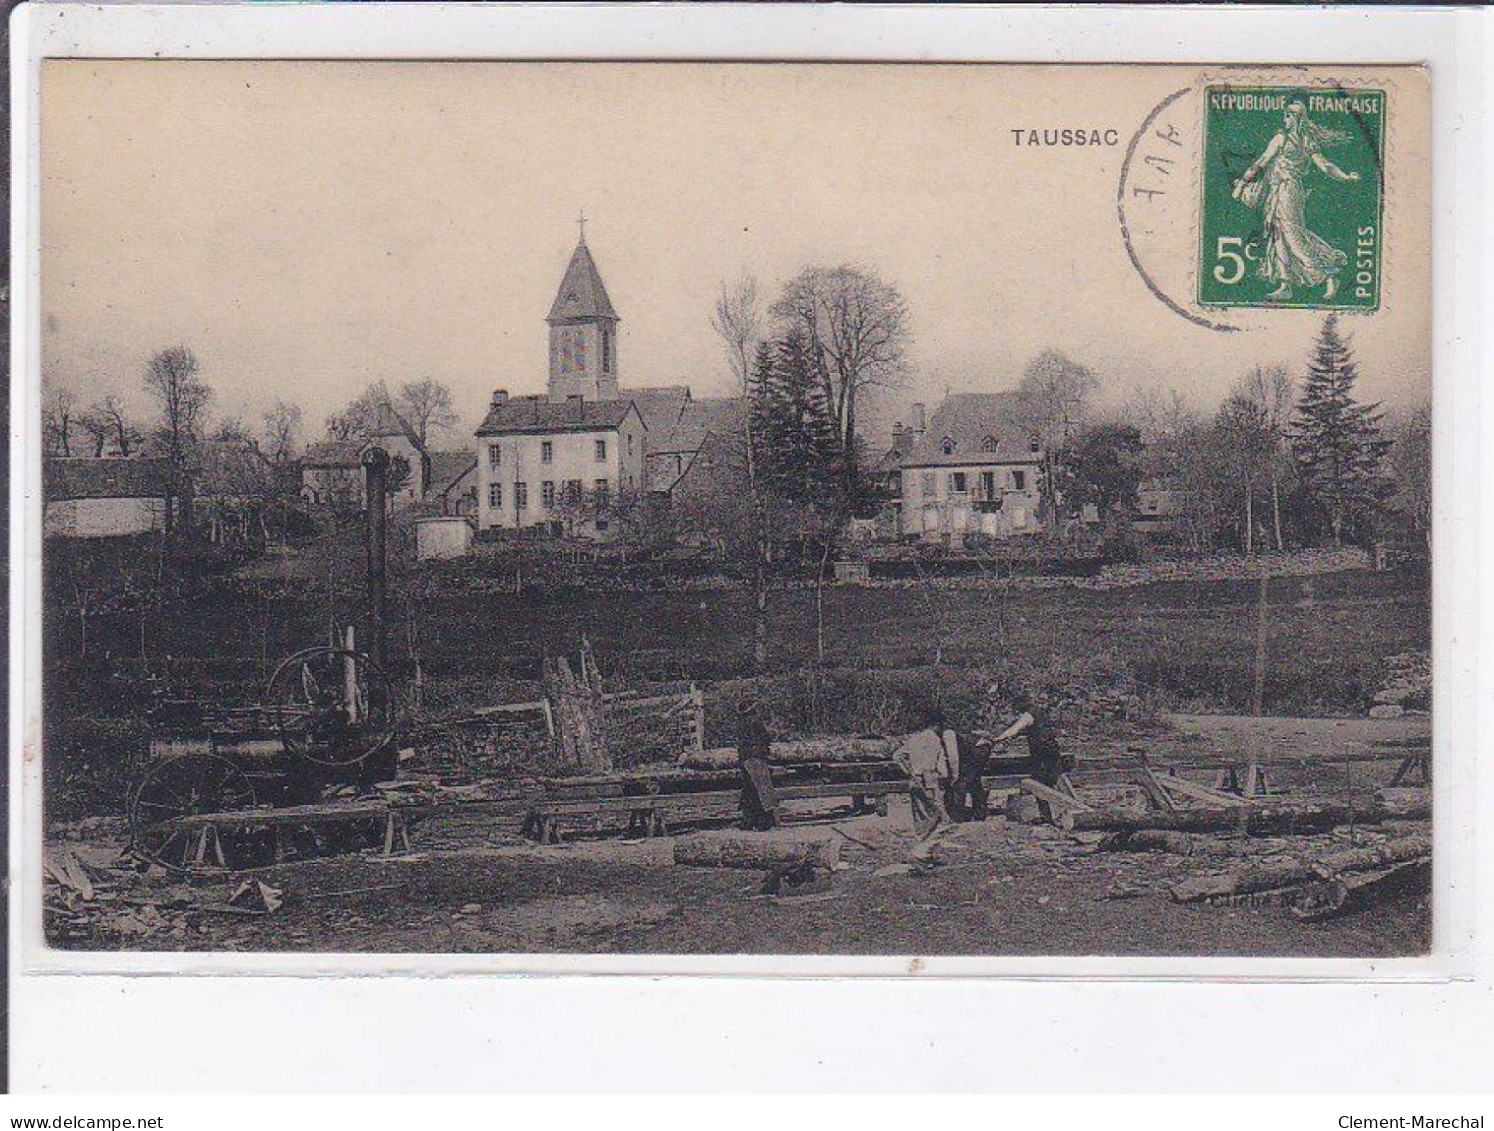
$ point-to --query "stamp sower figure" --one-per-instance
(758, 803)
(1042, 742)
(1294, 255)
(931, 758)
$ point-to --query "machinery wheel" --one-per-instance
(332, 706)
(183, 787)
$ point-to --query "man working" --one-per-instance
(758, 802)
(1042, 743)
(931, 758)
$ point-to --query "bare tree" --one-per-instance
(58, 416)
(426, 404)
(1271, 392)
(126, 435)
(1054, 398)
(183, 397)
(1411, 460)
(737, 320)
(360, 418)
(231, 429)
(282, 424)
(99, 429)
(859, 324)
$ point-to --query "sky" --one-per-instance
(307, 228)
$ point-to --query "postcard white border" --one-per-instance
(1452, 43)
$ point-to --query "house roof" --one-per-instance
(702, 418)
(534, 415)
(105, 479)
(581, 293)
(450, 468)
(333, 454)
(660, 407)
(388, 422)
(983, 428)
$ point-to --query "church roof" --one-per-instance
(983, 428)
(539, 415)
(581, 293)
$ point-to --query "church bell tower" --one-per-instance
(583, 332)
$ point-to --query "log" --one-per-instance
(1257, 820)
(1293, 870)
(1341, 896)
(760, 853)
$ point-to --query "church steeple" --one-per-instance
(583, 332)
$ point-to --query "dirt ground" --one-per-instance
(999, 887)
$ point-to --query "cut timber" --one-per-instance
(1153, 790)
(1293, 871)
(1256, 820)
(1185, 788)
(1069, 805)
(1341, 896)
(762, 853)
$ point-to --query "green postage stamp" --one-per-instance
(1292, 191)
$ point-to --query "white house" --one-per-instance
(561, 466)
(102, 498)
(972, 469)
(562, 460)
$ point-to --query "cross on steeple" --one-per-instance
(581, 222)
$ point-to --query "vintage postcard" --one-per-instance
(539, 508)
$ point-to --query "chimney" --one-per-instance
(918, 421)
(500, 396)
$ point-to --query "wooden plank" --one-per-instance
(1153, 789)
(537, 706)
(1053, 797)
(1198, 792)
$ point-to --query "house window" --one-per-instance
(930, 487)
(547, 493)
(957, 482)
(521, 496)
(495, 495)
(1019, 480)
(603, 494)
(947, 446)
(630, 443)
(547, 451)
(601, 451)
(988, 484)
(988, 444)
(572, 491)
(495, 455)
(1035, 445)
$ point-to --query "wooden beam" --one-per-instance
(1197, 792)
(1053, 797)
(1149, 784)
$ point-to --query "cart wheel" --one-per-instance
(333, 707)
(185, 787)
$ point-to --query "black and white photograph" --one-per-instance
(736, 509)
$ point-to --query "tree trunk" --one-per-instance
(1269, 875)
(1252, 820)
(1249, 518)
(754, 852)
(1276, 510)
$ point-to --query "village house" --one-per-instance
(104, 498)
(332, 470)
(971, 469)
(569, 460)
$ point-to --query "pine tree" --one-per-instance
(800, 442)
(1337, 440)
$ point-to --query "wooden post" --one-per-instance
(697, 705)
(350, 675)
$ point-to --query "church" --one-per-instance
(588, 452)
